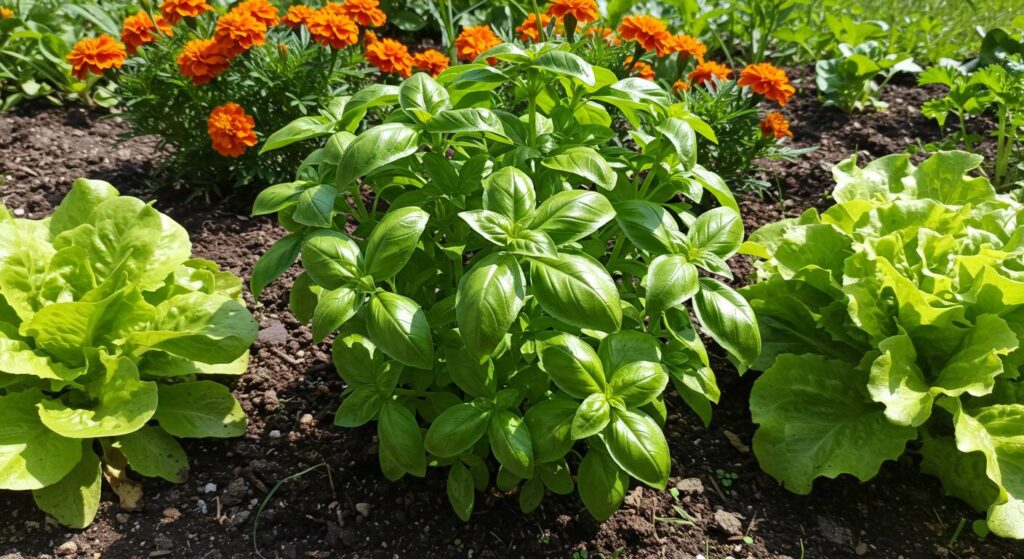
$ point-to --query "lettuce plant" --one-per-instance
(848, 81)
(896, 317)
(515, 280)
(105, 323)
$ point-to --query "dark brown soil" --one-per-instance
(333, 500)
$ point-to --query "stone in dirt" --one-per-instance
(273, 335)
(363, 509)
(691, 486)
(729, 523)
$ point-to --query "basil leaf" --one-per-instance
(400, 437)
(729, 319)
(591, 417)
(670, 282)
(577, 290)
(719, 231)
(638, 383)
(585, 163)
(331, 259)
(573, 365)
(573, 215)
(393, 240)
(638, 446)
(375, 148)
(460, 491)
(601, 484)
(509, 192)
(490, 225)
(399, 327)
(456, 430)
(511, 443)
(488, 300)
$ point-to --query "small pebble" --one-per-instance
(363, 509)
(275, 434)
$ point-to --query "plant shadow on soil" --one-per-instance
(345, 507)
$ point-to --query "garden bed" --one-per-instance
(341, 505)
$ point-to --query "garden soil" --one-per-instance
(323, 491)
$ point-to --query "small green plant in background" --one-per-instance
(896, 317)
(525, 298)
(105, 323)
(850, 82)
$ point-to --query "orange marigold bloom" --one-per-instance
(585, 11)
(174, 10)
(369, 37)
(390, 56)
(775, 125)
(202, 60)
(238, 31)
(474, 41)
(262, 10)
(680, 85)
(528, 30)
(685, 44)
(701, 75)
(364, 12)
(140, 29)
(298, 15)
(96, 55)
(330, 27)
(641, 69)
(647, 31)
(6, 13)
(767, 80)
(231, 130)
(431, 61)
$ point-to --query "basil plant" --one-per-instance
(891, 321)
(505, 273)
(105, 322)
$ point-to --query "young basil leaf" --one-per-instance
(393, 241)
(670, 282)
(315, 206)
(573, 365)
(535, 244)
(566, 64)
(531, 495)
(274, 262)
(649, 226)
(359, 407)
(333, 309)
(302, 128)
(585, 163)
(572, 215)
(460, 491)
(591, 417)
(511, 443)
(550, 423)
(399, 433)
(488, 301)
(399, 328)
(556, 476)
(455, 121)
(638, 383)
(628, 346)
(728, 319)
(356, 359)
(375, 148)
(423, 97)
(601, 484)
(509, 192)
(638, 446)
(719, 231)
(490, 225)
(331, 259)
(456, 430)
(682, 137)
(278, 197)
(474, 376)
(577, 290)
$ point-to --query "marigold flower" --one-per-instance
(585, 11)
(390, 56)
(140, 29)
(231, 130)
(238, 31)
(686, 45)
(174, 10)
(96, 55)
(680, 85)
(202, 60)
(474, 41)
(331, 28)
(775, 125)
(528, 30)
(640, 69)
(431, 61)
(298, 15)
(262, 10)
(765, 79)
(701, 75)
(6, 13)
(369, 37)
(364, 12)
(647, 31)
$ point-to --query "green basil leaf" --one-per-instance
(591, 417)
(393, 241)
(274, 262)
(475, 377)
(638, 446)
(535, 244)
(490, 225)
(586, 163)
(670, 282)
(577, 290)
(302, 128)
(359, 407)
(573, 365)
(422, 96)
(638, 383)
(556, 476)
(488, 301)
(278, 197)
(602, 485)
(333, 309)
(509, 192)
(455, 121)
(649, 226)
(511, 443)
(628, 346)
(566, 64)
(315, 206)
(719, 231)
(682, 137)
(531, 495)
(550, 423)
(729, 320)
(357, 360)
(460, 491)
(456, 430)
(375, 148)
(400, 435)
(399, 327)
(573, 215)
(331, 258)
